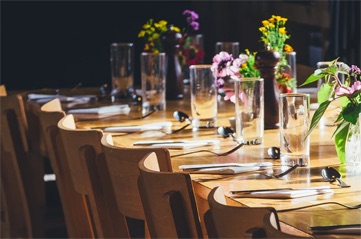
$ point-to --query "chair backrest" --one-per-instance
(90, 177)
(3, 91)
(168, 201)
(14, 162)
(75, 209)
(124, 173)
(243, 222)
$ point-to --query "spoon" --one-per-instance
(181, 117)
(331, 174)
(226, 132)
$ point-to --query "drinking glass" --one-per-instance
(153, 80)
(230, 47)
(122, 68)
(249, 107)
(294, 113)
(203, 96)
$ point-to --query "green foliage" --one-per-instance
(340, 140)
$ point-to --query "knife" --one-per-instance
(139, 128)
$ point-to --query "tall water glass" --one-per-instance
(203, 96)
(153, 71)
(230, 47)
(122, 68)
(249, 107)
(294, 113)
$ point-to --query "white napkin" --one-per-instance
(225, 168)
(100, 112)
(164, 126)
(42, 98)
(352, 229)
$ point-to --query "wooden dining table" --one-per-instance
(298, 221)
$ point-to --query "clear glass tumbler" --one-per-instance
(153, 75)
(203, 96)
(249, 107)
(122, 69)
(294, 113)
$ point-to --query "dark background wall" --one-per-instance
(53, 44)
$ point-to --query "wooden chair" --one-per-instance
(22, 172)
(75, 209)
(168, 201)
(90, 178)
(242, 222)
(3, 90)
(124, 172)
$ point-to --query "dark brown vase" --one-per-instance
(174, 74)
(266, 62)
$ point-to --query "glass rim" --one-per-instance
(152, 53)
(243, 79)
(122, 44)
(294, 95)
(200, 66)
(227, 42)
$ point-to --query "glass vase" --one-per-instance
(353, 146)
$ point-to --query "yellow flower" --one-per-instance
(284, 20)
(271, 25)
(176, 29)
(278, 18)
(244, 65)
(265, 23)
(288, 48)
(282, 30)
(262, 29)
(141, 34)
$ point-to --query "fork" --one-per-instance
(282, 173)
(251, 142)
(319, 204)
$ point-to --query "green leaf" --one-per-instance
(340, 127)
(344, 101)
(313, 78)
(324, 93)
(317, 115)
(351, 112)
(340, 140)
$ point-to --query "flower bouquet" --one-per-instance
(348, 94)
(274, 36)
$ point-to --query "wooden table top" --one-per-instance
(322, 152)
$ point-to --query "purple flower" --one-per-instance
(355, 70)
(194, 26)
(191, 16)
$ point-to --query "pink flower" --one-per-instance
(356, 86)
(221, 64)
(346, 91)
(225, 65)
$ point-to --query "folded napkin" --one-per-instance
(225, 168)
(99, 112)
(283, 194)
(43, 98)
(163, 126)
(171, 144)
(352, 229)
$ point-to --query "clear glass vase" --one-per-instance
(353, 146)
